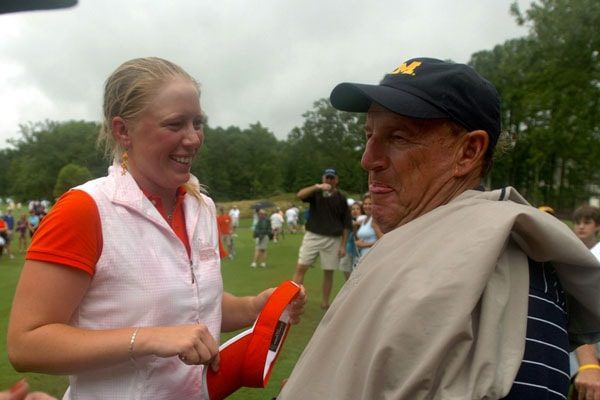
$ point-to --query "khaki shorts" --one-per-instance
(325, 247)
(346, 262)
(261, 244)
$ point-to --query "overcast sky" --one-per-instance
(264, 61)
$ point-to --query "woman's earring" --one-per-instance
(124, 159)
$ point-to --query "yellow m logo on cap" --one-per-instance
(407, 69)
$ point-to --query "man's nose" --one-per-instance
(375, 156)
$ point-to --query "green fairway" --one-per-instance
(238, 279)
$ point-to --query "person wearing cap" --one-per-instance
(326, 230)
(463, 297)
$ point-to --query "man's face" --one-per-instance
(331, 179)
(410, 165)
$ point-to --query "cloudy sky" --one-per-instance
(264, 61)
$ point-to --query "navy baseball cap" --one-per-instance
(329, 172)
(429, 88)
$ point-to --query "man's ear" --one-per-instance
(120, 131)
(470, 152)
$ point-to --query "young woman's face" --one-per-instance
(355, 210)
(368, 206)
(165, 139)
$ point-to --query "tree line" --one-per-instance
(549, 82)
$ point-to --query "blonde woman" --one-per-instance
(121, 287)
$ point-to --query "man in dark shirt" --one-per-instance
(326, 229)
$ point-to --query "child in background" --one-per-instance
(584, 360)
(586, 220)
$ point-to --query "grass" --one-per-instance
(238, 278)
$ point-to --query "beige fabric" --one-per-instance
(437, 309)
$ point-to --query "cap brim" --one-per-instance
(221, 384)
(248, 358)
(358, 97)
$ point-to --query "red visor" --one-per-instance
(248, 358)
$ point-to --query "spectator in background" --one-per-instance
(225, 226)
(10, 229)
(326, 230)
(234, 213)
(21, 229)
(32, 222)
(368, 231)
(261, 233)
(277, 225)
(584, 360)
(3, 236)
(348, 262)
(291, 217)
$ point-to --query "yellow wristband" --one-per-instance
(588, 366)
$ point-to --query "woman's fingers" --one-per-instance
(296, 307)
(201, 347)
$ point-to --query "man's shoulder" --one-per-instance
(343, 193)
(343, 196)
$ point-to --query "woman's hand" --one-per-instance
(295, 309)
(259, 301)
(361, 244)
(20, 391)
(193, 344)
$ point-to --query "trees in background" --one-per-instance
(549, 82)
(233, 164)
(550, 88)
(239, 163)
(70, 176)
(327, 138)
(44, 148)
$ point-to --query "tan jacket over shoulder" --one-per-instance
(437, 309)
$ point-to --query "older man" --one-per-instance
(462, 298)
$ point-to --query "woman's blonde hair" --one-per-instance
(127, 91)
